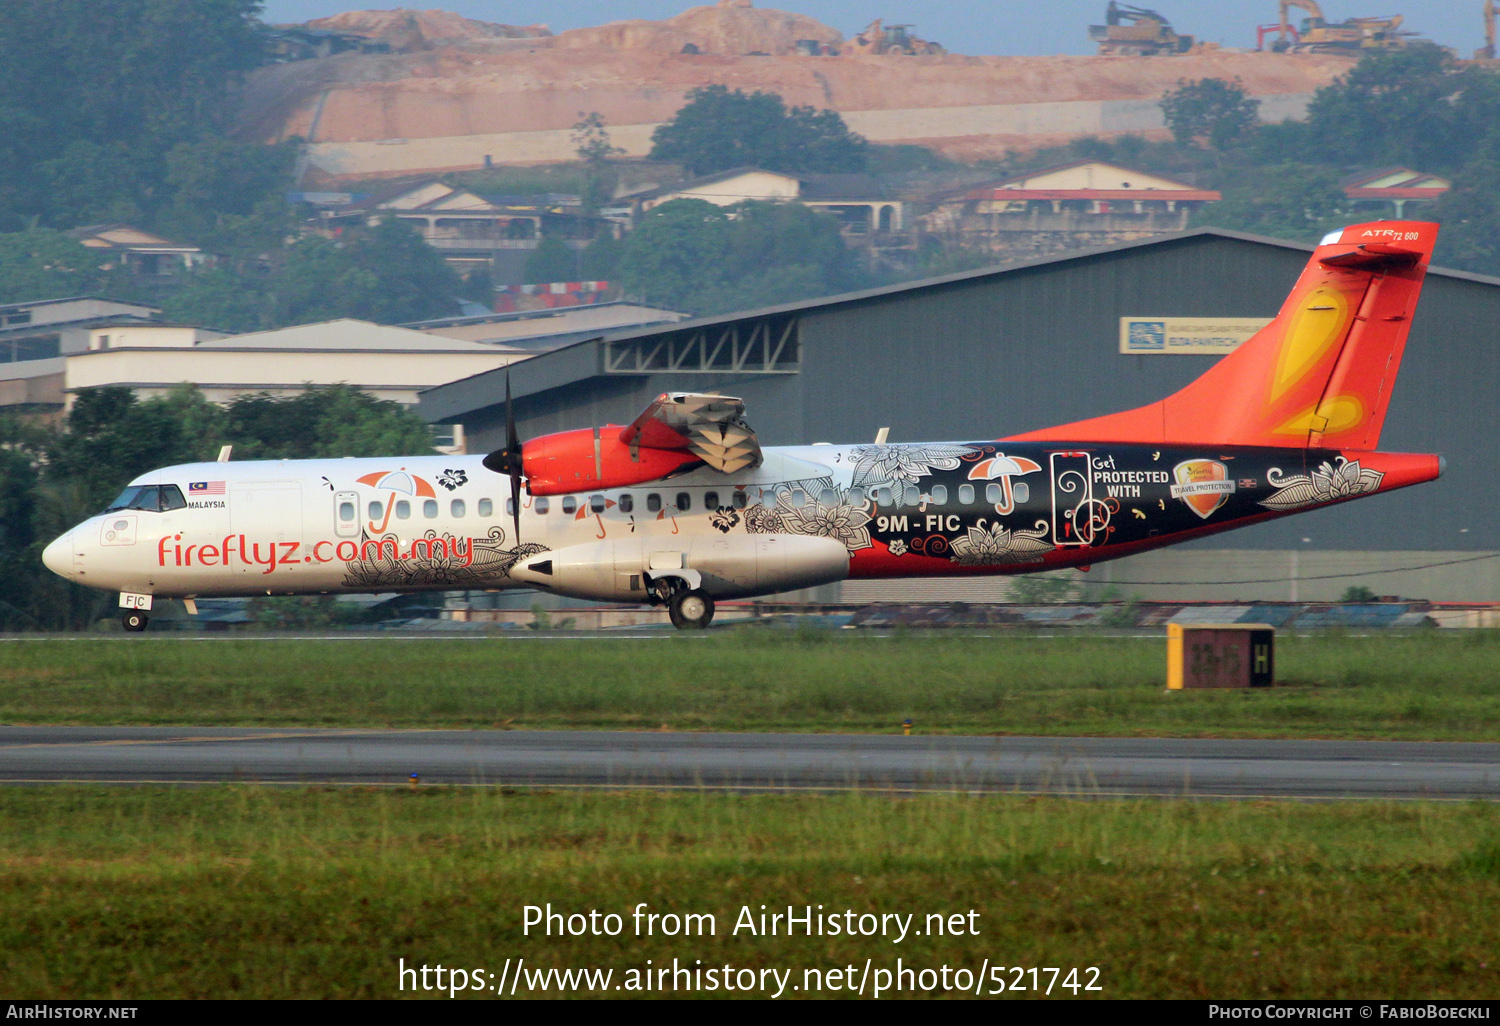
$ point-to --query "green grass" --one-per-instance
(239, 891)
(1430, 686)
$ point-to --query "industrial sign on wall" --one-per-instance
(1187, 336)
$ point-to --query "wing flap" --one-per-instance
(711, 427)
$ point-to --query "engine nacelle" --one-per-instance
(585, 459)
(724, 568)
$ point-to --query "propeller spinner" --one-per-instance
(508, 460)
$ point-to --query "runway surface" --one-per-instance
(1307, 769)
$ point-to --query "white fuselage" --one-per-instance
(400, 524)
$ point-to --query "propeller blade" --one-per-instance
(508, 460)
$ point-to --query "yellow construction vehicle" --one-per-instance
(1317, 35)
(1136, 32)
(881, 38)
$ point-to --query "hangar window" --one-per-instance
(966, 495)
(569, 504)
(403, 510)
(740, 500)
(430, 509)
(711, 500)
(543, 505)
(653, 503)
(627, 502)
(375, 509)
(597, 504)
(486, 508)
(684, 502)
(457, 508)
(993, 493)
(912, 496)
(939, 495)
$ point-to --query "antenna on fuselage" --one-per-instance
(508, 459)
(882, 435)
(225, 451)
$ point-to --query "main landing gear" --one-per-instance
(134, 621)
(689, 609)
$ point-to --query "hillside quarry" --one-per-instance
(458, 93)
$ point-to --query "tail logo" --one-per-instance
(1203, 485)
(1318, 325)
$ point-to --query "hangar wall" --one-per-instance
(992, 353)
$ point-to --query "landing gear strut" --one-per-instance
(134, 621)
(691, 610)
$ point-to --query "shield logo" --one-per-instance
(1203, 485)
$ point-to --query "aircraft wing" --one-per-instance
(711, 427)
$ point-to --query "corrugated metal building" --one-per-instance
(990, 353)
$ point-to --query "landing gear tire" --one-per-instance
(134, 621)
(691, 610)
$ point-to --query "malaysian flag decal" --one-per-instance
(206, 488)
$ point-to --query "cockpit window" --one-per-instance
(147, 497)
(171, 498)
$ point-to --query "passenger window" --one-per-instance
(684, 502)
(627, 503)
(799, 498)
(171, 498)
(457, 508)
(828, 498)
(993, 492)
(939, 495)
(543, 505)
(856, 496)
(740, 500)
(711, 500)
(882, 496)
(486, 508)
(570, 504)
(510, 507)
(430, 509)
(913, 495)
(653, 503)
(403, 510)
(597, 504)
(375, 509)
(966, 494)
(346, 511)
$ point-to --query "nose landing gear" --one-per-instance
(134, 621)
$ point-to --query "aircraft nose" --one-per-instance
(58, 557)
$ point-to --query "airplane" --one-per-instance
(684, 508)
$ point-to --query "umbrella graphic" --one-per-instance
(1002, 468)
(401, 483)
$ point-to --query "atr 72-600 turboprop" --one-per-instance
(682, 507)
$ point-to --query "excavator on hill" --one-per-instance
(1318, 35)
(1136, 32)
(881, 38)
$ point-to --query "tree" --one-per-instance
(131, 77)
(691, 255)
(1301, 202)
(1399, 104)
(1211, 109)
(1470, 216)
(552, 260)
(46, 264)
(595, 150)
(719, 129)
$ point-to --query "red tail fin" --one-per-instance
(1319, 375)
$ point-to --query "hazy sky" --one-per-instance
(964, 26)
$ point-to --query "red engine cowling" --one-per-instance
(590, 458)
